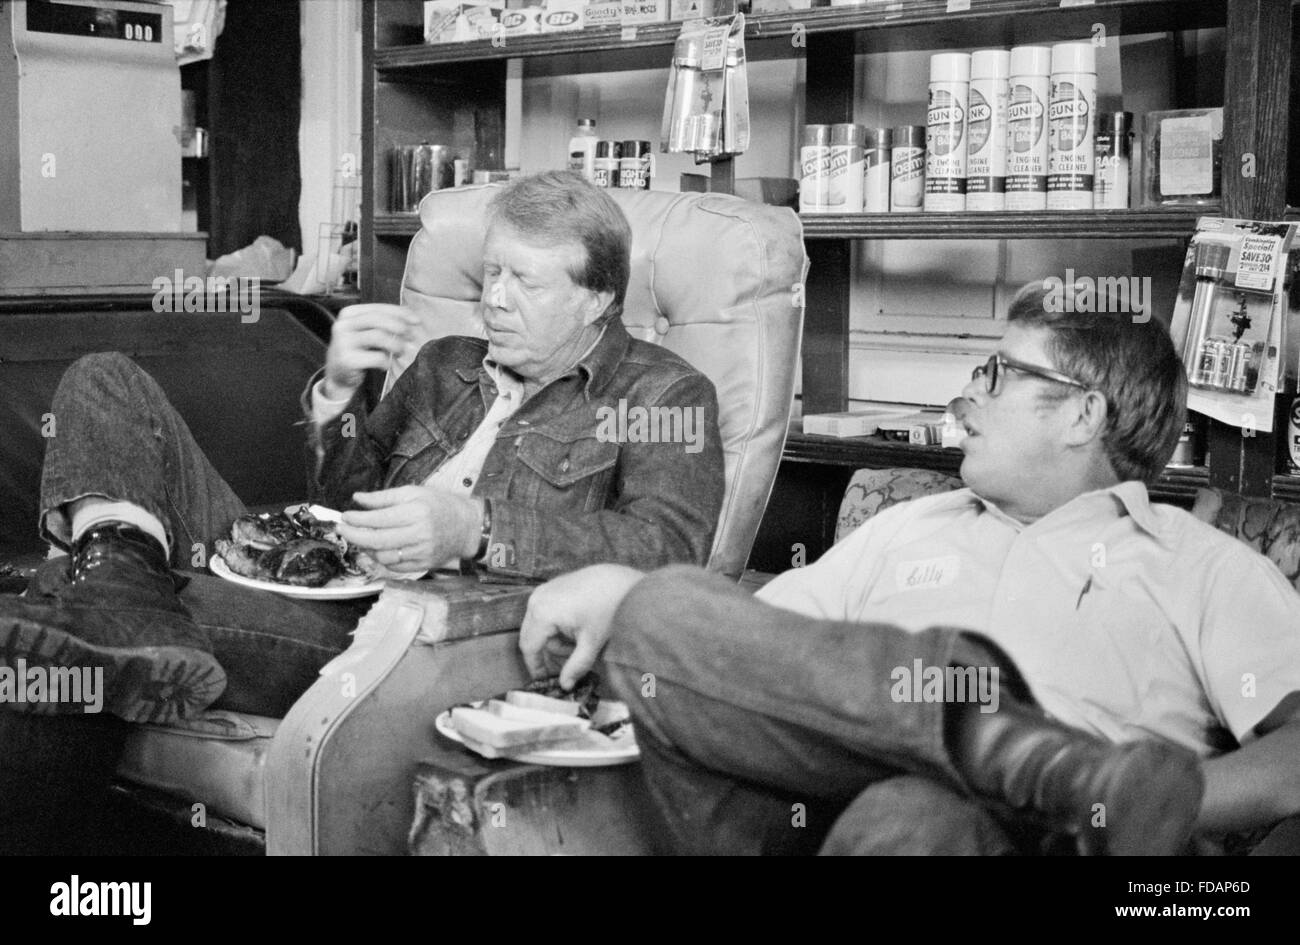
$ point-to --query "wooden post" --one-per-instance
(1256, 101)
(829, 100)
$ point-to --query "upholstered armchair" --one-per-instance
(716, 279)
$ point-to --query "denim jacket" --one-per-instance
(576, 476)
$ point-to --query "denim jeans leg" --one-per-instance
(704, 813)
(271, 646)
(913, 816)
(770, 698)
(117, 436)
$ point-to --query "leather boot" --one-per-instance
(112, 608)
(1136, 798)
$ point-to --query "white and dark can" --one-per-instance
(945, 140)
(986, 130)
(845, 171)
(1071, 112)
(1027, 94)
(634, 165)
(604, 169)
(876, 147)
(814, 168)
(907, 169)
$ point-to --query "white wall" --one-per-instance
(330, 134)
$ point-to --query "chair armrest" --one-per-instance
(342, 764)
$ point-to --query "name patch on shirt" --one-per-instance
(926, 573)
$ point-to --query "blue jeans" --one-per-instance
(759, 727)
(118, 437)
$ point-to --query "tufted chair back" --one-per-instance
(716, 279)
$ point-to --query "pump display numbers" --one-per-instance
(45, 16)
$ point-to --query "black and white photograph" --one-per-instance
(650, 428)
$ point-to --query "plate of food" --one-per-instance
(542, 725)
(296, 552)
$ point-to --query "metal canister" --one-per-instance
(814, 168)
(907, 168)
(604, 169)
(634, 165)
(844, 188)
(1212, 362)
(1238, 365)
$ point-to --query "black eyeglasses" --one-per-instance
(991, 370)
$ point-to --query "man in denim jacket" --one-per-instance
(522, 452)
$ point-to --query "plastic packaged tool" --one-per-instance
(706, 106)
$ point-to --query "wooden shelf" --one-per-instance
(397, 224)
(1076, 224)
(876, 15)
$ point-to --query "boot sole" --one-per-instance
(1152, 796)
(148, 684)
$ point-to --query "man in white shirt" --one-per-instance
(1132, 624)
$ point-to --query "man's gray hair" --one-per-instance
(1132, 363)
(561, 207)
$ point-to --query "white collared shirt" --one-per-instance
(1126, 618)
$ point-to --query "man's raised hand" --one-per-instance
(365, 337)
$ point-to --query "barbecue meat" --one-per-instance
(304, 562)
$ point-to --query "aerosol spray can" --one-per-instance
(986, 131)
(634, 164)
(1030, 81)
(605, 167)
(1070, 112)
(814, 168)
(844, 186)
(907, 169)
(945, 140)
(875, 162)
(1114, 157)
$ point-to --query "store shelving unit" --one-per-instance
(456, 91)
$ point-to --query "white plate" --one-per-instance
(601, 750)
(337, 589)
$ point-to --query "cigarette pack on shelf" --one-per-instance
(602, 13)
(522, 22)
(459, 21)
(645, 11)
(706, 107)
(847, 423)
(560, 16)
(924, 428)
(1229, 316)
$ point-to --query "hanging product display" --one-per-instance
(1229, 318)
(706, 108)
